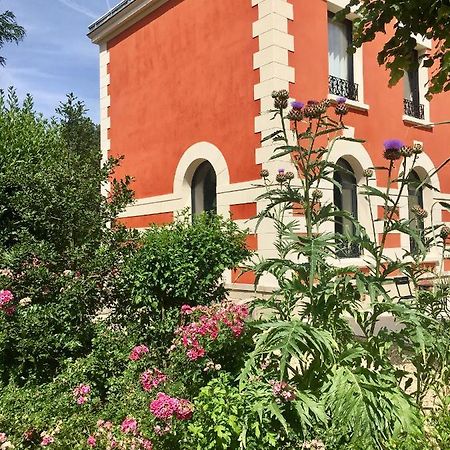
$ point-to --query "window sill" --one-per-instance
(352, 104)
(418, 122)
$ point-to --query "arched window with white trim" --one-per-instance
(204, 189)
(345, 199)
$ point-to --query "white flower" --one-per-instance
(25, 301)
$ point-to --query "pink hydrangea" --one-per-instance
(47, 440)
(196, 352)
(91, 441)
(10, 310)
(6, 299)
(147, 444)
(152, 378)
(138, 352)
(129, 426)
(186, 309)
(165, 407)
(3, 438)
(208, 324)
(184, 410)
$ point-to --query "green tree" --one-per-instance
(55, 239)
(50, 177)
(429, 18)
(10, 31)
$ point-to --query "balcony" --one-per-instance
(412, 108)
(342, 88)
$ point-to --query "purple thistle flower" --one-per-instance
(341, 100)
(297, 105)
(281, 171)
(393, 144)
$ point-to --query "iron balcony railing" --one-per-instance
(413, 109)
(342, 88)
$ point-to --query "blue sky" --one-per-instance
(55, 57)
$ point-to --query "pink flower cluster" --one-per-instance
(165, 407)
(281, 390)
(138, 352)
(47, 440)
(3, 438)
(210, 320)
(129, 426)
(105, 437)
(6, 299)
(81, 393)
(152, 378)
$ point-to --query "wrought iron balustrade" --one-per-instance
(343, 88)
(413, 109)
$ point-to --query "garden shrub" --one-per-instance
(182, 262)
(57, 254)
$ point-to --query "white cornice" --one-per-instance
(124, 19)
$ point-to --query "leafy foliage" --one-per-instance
(57, 253)
(182, 262)
(428, 18)
(304, 336)
(10, 31)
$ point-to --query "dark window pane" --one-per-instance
(346, 200)
(203, 189)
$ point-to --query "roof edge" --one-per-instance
(121, 17)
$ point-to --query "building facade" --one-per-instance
(184, 90)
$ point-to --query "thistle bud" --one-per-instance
(417, 149)
(406, 151)
(283, 94)
(317, 194)
(419, 212)
(368, 173)
(280, 103)
(445, 232)
(281, 178)
(264, 173)
(313, 109)
(295, 114)
(341, 110)
(289, 175)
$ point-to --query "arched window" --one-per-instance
(346, 199)
(203, 189)
(415, 198)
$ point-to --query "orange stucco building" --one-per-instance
(184, 82)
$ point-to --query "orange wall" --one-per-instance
(179, 76)
(384, 118)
